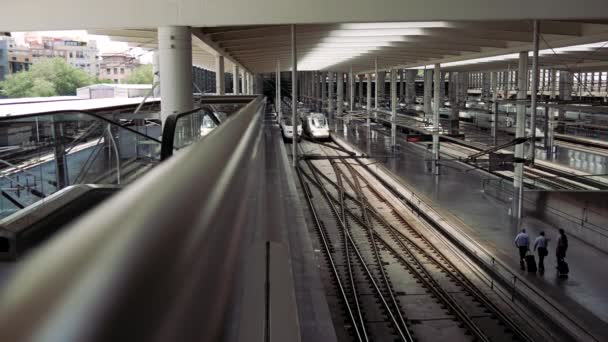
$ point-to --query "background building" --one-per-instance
(19, 57)
(3, 59)
(117, 66)
(80, 54)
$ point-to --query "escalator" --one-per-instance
(56, 166)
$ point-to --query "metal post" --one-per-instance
(175, 57)
(520, 132)
(294, 91)
(428, 88)
(330, 97)
(323, 91)
(351, 86)
(436, 105)
(340, 100)
(278, 95)
(534, 91)
(368, 105)
(393, 108)
(235, 79)
(220, 87)
(376, 92)
(494, 85)
(360, 81)
(401, 94)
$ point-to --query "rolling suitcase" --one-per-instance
(563, 269)
(530, 263)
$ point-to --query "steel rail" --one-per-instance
(359, 256)
(324, 240)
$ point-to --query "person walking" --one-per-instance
(541, 243)
(522, 242)
(560, 253)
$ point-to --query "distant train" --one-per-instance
(316, 126)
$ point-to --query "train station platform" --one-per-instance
(457, 195)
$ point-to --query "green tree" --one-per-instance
(50, 77)
(143, 74)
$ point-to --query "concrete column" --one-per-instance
(442, 87)
(534, 90)
(340, 93)
(485, 87)
(236, 79)
(156, 74)
(220, 87)
(175, 60)
(294, 92)
(376, 92)
(428, 91)
(323, 91)
(520, 132)
(318, 90)
(410, 87)
(360, 82)
(436, 105)
(454, 100)
(394, 105)
(401, 86)
(553, 84)
(278, 91)
(368, 105)
(330, 97)
(494, 85)
(380, 84)
(507, 84)
(351, 87)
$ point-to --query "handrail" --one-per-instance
(159, 261)
(167, 147)
(72, 111)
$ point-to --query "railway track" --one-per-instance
(391, 281)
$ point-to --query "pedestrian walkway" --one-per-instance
(458, 191)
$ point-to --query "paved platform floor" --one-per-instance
(458, 191)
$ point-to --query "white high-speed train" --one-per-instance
(316, 126)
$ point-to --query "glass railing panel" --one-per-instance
(41, 154)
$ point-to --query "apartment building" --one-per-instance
(117, 66)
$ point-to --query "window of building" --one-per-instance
(27, 59)
(71, 55)
(14, 58)
(115, 71)
(115, 81)
(108, 71)
(122, 70)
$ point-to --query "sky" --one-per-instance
(104, 44)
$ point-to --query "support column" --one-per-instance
(340, 93)
(330, 97)
(278, 99)
(436, 105)
(401, 91)
(428, 91)
(485, 88)
(175, 60)
(494, 85)
(368, 105)
(376, 92)
(520, 132)
(156, 75)
(351, 86)
(454, 92)
(394, 108)
(410, 87)
(220, 86)
(360, 81)
(507, 83)
(534, 91)
(553, 84)
(294, 92)
(323, 91)
(380, 84)
(236, 79)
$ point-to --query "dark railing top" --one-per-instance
(85, 112)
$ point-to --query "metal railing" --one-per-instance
(156, 262)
